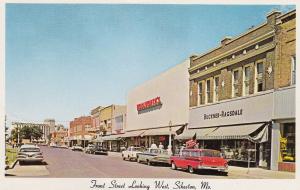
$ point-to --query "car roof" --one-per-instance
(200, 150)
(29, 146)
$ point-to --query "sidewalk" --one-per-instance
(259, 173)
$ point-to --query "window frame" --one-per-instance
(233, 84)
(293, 69)
(244, 79)
(256, 76)
(200, 95)
(216, 90)
(207, 93)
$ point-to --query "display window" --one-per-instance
(287, 142)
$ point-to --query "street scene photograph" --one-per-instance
(176, 91)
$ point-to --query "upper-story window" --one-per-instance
(200, 94)
(259, 77)
(216, 89)
(293, 69)
(246, 79)
(208, 96)
(235, 78)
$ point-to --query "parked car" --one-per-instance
(198, 159)
(153, 155)
(99, 149)
(89, 148)
(131, 153)
(76, 148)
(63, 146)
(29, 153)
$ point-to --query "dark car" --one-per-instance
(98, 149)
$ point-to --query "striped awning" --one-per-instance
(232, 132)
(132, 133)
(161, 131)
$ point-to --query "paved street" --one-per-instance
(66, 163)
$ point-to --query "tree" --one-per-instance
(31, 132)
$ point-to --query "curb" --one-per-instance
(13, 164)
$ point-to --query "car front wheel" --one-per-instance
(149, 163)
(138, 160)
(191, 169)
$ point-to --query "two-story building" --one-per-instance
(242, 94)
(79, 134)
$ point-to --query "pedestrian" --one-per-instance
(160, 146)
(153, 145)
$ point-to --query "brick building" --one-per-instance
(79, 134)
(59, 136)
(242, 93)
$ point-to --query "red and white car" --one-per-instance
(197, 159)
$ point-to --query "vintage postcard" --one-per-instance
(139, 96)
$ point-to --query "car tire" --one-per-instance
(128, 158)
(173, 166)
(138, 160)
(149, 163)
(123, 157)
(224, 173)
(190, 169)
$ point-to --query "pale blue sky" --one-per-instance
(64, 60)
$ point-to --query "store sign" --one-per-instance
(252, 109)
(231, 113)
(149, 104)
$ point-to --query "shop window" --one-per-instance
(287, 142)
(235, 77)
(293, 69)
(246, 81)
(259, 77)
(208, 96)
(216, 89)
(200, 94)
(238, 150)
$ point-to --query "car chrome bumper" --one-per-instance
(221, 169)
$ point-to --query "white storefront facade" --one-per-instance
(158, 108)
(250, 127)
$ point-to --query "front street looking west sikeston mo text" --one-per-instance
(226, 113)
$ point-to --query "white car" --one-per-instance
(131, 153)
(29, 153)
(77, 148)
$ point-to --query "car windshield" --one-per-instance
(137, 149)
(30, 150)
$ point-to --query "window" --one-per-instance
(246, 80)
(287, 142)
(259, 77)
(235, 77)
(207, 99)
(216, 89)
(200, 94)
(293, 70)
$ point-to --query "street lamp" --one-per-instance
(170, 137)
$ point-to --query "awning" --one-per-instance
(161, 131)
(132, 133)
(187, 134)
(233, 132)
(191, 133)
(111, 137)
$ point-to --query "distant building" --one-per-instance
(51, 123)
(79, 134)
(43, 126)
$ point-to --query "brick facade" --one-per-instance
(78, 126)
(271, 44)
(286, 48)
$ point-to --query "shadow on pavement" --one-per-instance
(33, 163)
